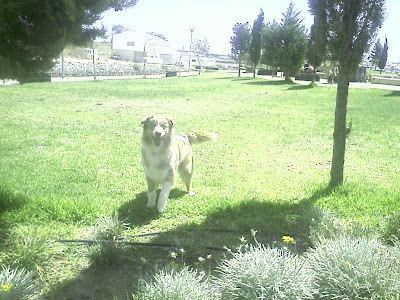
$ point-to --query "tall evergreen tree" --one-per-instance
(351, 25)
(240, 42)
(34, 32)
(376, 53)
(284, 44)
(383, 57)
(317, 41)
(255, 42)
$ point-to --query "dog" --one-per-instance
(166, 154)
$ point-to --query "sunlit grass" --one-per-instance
(70, 152)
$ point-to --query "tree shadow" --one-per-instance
(241, 78)
(136, 213)
(271, 219)
(393, 94)
(299, 87)
(224, 228)
(270, 82)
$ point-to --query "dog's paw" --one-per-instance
(161, 208)
(191, 194)
(151, 204)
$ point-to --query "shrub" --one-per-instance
(391, 227)
(353, 268)
(263, 273)
(28, 249)
(176, 285)
(16, 284)
(108, 228)
(325, 225)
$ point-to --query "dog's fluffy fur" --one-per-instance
(166, 154)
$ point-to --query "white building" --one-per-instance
(139, 46)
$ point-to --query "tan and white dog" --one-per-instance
(166, 154)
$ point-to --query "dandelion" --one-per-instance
(182, 250)
(173, 254)
(6, 287)
(201, 259)
(288, 239)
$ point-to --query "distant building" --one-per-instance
(195, 59)
(139, 46)
(90, 52)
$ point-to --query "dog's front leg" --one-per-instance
(151, 193)
(164, 194)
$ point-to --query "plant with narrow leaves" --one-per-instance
(323, 225)
(263, 273)
(110, 227)
(16, 284)
(354, 268)
(173, 284)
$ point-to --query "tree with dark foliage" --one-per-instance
(34, 32)
(284, 44)
(255, 42)
(240, 42)
(351, 25)
(317, 41)
(383, 57)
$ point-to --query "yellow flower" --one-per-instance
(288, 239)
(6, 287)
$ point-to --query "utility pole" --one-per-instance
(190, 48)
(62, 64)
(94, 66)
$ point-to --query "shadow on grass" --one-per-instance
(223, 227)
(136, 213)
(393, 94)
(270, 82)
(299, 87)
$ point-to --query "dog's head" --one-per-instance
(157, 129)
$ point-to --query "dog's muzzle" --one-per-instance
(157, 136)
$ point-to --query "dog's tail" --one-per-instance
(198, 136)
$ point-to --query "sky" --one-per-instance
(214, 20)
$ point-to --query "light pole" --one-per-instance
(190, 48)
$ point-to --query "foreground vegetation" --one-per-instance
(70, 169)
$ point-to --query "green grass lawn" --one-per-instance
(70, 155)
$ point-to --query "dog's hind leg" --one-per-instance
(164, 194)
(151, 193)
(186, 172)
(187, 179)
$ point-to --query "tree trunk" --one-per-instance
(287, 77)
(339, 134)
(240, 60)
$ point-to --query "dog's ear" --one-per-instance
(171, 121)
(149, 117)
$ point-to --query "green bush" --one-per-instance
(264, 273)
(391, 227)
(172, 284)
(354, 268)
(324, 225)
(16, 284)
